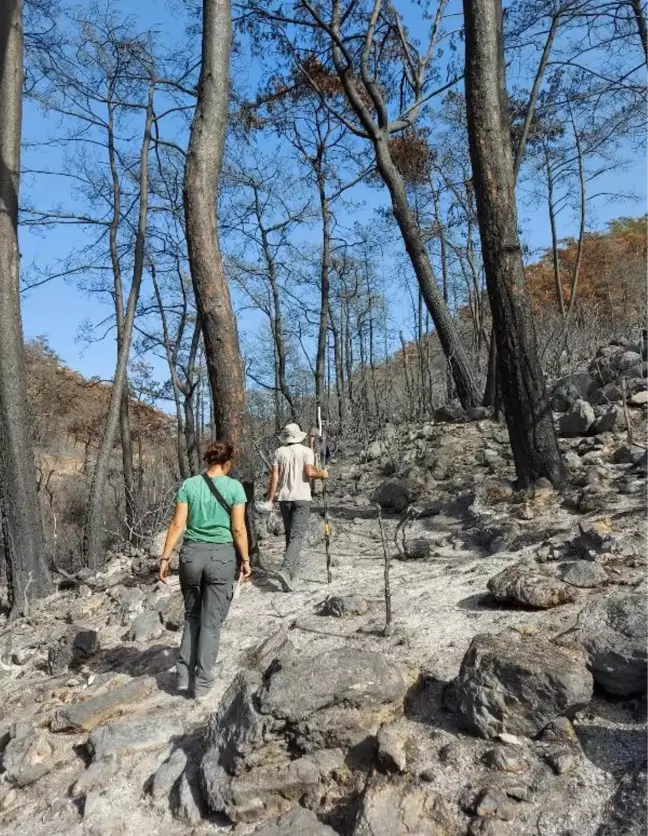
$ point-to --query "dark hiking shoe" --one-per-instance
(284, 580)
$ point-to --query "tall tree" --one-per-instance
(202, 174)
(93, 531)
(526, 406)
(374, 65)
(20, 517)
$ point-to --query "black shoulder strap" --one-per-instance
(216, 493)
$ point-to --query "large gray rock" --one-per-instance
(610, 420)
(577, 420)
(131, 736)
(395, 496)
(188, 804)
(356, 678)
(146, 627)
(96, 776)
(171, 609)
(585, 574)
(297, 822)
(518, 684)
(626, 360)
(340, 606)
(613, 631)
(28, 756)
(528, 586)
(273, 785)
(84, 716)
(168, 774)
(400, 808)
(574, 387)
(237, 729)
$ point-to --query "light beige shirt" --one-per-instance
(293, 485)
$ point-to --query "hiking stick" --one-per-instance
(389, 629)
(327, 527)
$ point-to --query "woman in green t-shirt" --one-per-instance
(213, 522)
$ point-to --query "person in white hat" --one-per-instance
(293, 468)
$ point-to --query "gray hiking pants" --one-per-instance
(295, 518)
(207, 582)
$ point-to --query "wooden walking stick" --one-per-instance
(327, 526)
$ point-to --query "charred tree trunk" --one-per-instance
(20, 516)
(93, 531)
(118, 296)
(641, 25)
(322, 331)
(526, 406)
(202, 174)
(448, 336)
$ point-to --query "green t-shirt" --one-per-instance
(208, 521)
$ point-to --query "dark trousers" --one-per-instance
(295, 518)
(207, 582)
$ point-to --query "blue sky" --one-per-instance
(58, 309)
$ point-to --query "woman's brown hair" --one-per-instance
(218, 452)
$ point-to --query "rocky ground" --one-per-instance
(508, 697)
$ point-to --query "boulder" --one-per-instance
(187, 806)
(626, 360)
(96, 776)
(528, 586)
(610, 393)
(355, 678)
(171, 609)
(639, 399)
(297, 822)
(577, 421)
(574, 387)
(480, 413)
(340, 606)
(613, 631)
(400, 808)
(451, 413)
(156, 546)
(395, 496)
(131, 736)
(274, 784)
(517, 684)
(168, 774)
(573, 461)
(391, 753)
(84, 716)
(146, 627)
(85, 644)
(585, 574)
(28, 755)
(237, 729)
(417, 549)
(611, 419)
(375, 450)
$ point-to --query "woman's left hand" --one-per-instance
(246, 570)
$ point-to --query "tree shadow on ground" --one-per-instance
(612, 749)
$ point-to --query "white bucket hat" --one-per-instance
(291, 434)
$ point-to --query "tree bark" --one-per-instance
(448, 336)
(118, 296)
(93, 532)
(555, 260)
(202, 174)
(526, 406)
(324, 283)
(641, 26)
(20, 516)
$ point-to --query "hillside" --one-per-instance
(507, 699)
